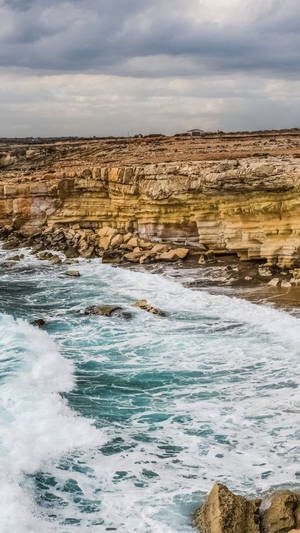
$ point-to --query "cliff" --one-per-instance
(225, 198)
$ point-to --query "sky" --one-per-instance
(121, 67)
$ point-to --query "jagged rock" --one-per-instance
(285, 284)
(224, 512)
(280, 512)
(73, 273)
(143, 304)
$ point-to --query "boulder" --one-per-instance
(173, 255)
(73, 273)
(56, 260)
(45, 256)
(116, 241)
(134, 257)
(280, 515)
(132, 243)
(224, 512)
(181, 253)
(160, 248)
(107, 310)
(71, 252)
(145, 245)
(112, 256)
(143, 304)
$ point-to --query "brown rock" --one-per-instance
(133, 243)
(112, 256)
(102, 310)
(160, 248)
(134, 257)
(181, 253)
(116, 241)
(143, 304)
(39, 322)
(279, 517)
(174, 255)
(224, 512)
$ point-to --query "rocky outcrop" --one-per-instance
(225, 512)
(248, 206)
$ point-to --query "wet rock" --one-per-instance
(112, 256)
(285, 284)
(45, 256)
(39, 322)
(16, 257)
(71, 252)
(224, 512)
(143, 304)
(56, 260)
(73, 273)
(102, 310)
(11, 244)
(280, 513)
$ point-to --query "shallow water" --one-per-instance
(123, 425)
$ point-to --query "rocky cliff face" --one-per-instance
(249, 206)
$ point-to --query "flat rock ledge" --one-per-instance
(225, 512)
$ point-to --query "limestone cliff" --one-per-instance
(248, 205)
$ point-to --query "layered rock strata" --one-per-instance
(248, 206)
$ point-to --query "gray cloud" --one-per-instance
(105, 36)
(102, 67)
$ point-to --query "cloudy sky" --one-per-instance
(113, 67)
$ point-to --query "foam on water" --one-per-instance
(208, 393)
(37, 426)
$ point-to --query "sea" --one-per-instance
(115, 424)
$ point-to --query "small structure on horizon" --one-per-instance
(196, 132)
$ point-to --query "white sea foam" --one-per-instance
(37, 426)
(232, 414)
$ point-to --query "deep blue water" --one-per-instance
(122, 425)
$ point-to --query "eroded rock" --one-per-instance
(224, 512)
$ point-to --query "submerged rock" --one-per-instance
(143, 304)
(224, 512)
(73, 273)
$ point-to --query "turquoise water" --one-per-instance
(122, 425)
